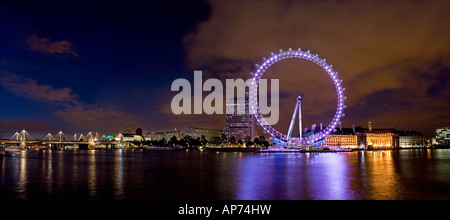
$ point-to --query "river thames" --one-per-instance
(195, 175)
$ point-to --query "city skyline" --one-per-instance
(104, 66)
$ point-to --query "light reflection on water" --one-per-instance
(405, 174)
(295, 176)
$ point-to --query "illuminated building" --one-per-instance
(408, 138)
(239, 123)
(158, 135)
(342, 137)
(376, 137)
(199, 132)
(128, 136)
(131, 137)
(382, 138)
(345, 141)
(442, 136)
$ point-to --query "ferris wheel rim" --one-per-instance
(306, 55)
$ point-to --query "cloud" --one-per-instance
(98, 118)
(29, 88)
(375, 46)
(47, 46)
(38, 129)
(17, 124)
(69, 107)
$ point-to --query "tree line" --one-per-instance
(188, 141)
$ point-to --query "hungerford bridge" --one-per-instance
(24, 139)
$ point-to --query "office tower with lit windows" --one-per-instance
(442, 136)
(239, 123)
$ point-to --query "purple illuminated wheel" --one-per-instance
(306, 55)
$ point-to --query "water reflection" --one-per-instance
(415, 174)
(118, 176)
(23, 180)
(294, 176)
(382, 176)
(331, 181)
(92, 175)
(379, 175)
(48, 170)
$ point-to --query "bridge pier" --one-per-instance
(85, 147)
(57, 146)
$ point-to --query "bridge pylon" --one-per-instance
(60, 136)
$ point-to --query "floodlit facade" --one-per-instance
(345, 141)
(382, 138)
(357, 137)
(343, 137)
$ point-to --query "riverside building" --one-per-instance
(410, 138)
(209, 134)
(382, 138)
(442, 136)
(240, 124)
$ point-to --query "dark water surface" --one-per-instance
(185, 175)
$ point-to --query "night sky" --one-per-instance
(101, 66)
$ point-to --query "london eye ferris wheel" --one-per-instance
(288, 137)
